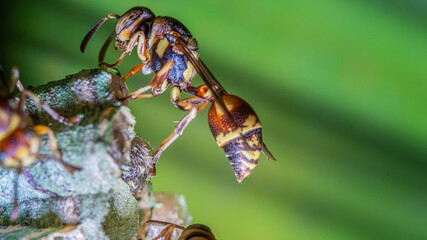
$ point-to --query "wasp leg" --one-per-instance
(48, 109)
(139, 39)
(158, 85)
(192, 104)
(167, 232)
(135, 70)
(15, 210)
(43, 130)
(33, 183)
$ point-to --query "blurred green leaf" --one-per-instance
(340, 87)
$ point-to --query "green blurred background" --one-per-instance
(340, 87)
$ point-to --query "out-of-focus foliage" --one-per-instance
(340, 87)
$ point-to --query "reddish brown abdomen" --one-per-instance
(9, 119)
(197, 232)
(243, 154)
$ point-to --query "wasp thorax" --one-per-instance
(19, 149)
(240, 137)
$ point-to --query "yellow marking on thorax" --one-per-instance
(189, 73)
(156, 23)
(161, 47)
(14, 122)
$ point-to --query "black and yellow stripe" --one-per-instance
(240, 137)
(197, 232)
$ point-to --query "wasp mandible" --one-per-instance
(192, 232)
(19, 142)
(166, 47)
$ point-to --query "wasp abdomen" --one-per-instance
(242, 143)
(244, 160)
(197, 231)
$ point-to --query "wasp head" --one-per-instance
(134, 20)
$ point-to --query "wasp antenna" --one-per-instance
(95, 28)
(101, 55)
(267, 153)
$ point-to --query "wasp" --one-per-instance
(192, 232)
(19, 142)
(167, 48)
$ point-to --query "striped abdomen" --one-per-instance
(197, 232)
(242, 152)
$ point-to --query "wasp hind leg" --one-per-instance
(192, 104)
(40, 103)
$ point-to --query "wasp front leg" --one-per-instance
(192, 104)
(137, 39)
(43, 130)
(40, 103)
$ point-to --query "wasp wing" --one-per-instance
(208, 79)
(217, 90)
